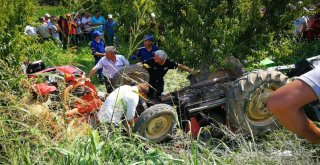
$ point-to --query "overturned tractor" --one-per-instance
(227, 96)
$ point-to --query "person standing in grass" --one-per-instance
(157, 67)
(98, 50)
(111, 64)
(120, 105)
(287, 102)
(86, 25)
(147, 51)
(111, 29)
(72, 32)
(98, 21)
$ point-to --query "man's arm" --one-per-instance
(286, 105)
(184, 68)
(131, 105)
(92, 72)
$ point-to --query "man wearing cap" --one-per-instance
(147, 51)
(111, 64)
(98, 21)
(157, 67)
(47, 17)
(111, 29)
(121, 104)
(98, 50)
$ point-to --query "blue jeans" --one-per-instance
(96, 60)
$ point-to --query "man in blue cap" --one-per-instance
(98, 50)
(147, 51)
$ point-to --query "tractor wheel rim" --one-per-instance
(257, 109)
(158, 127)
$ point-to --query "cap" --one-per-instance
(47, 15)
(110, 16)
(153, 15)
(148, 37)
(161, 54)
(111, 49)
(96, 33)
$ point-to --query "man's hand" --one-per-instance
(195, 72)
(132, 57)
(87, 79)
(146, 66)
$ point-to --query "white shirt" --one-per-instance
(111, 68)
(86, 22)
(31, 31)
(123, 100)
(44, 30)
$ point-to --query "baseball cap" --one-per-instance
(47, 15)
(110, 16)
(148, 37)
(96, 33)
(111, 49)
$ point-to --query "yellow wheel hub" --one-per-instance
(257, 109)
(158, 127)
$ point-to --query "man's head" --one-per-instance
(55, 18)
(87, 14)
(147, 41)
(160, 56)
(143, 89)
(111, 52)
(98, 13)
(41, 19)
(47, 16)
(96, 35)
(68, 16)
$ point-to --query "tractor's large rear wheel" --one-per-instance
(156, 123)
(247, 98)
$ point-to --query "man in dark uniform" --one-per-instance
(147, 51)
(157, 67)
(98, 50)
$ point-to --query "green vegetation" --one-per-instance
(191, 32)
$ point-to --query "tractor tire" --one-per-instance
(129, 75)
(156, 123)
(246, 101)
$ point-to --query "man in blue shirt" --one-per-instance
(98, 21)
(98, 50)
(146, 52)
(111, 28)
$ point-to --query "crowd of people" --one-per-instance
(308, 27)
(74, 28)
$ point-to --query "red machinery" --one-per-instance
(77, 94)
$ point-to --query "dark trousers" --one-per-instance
(156, 89)
(108, 83)
(96, 60)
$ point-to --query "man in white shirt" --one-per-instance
(122, 102)
(111, 64)
(86, 23)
